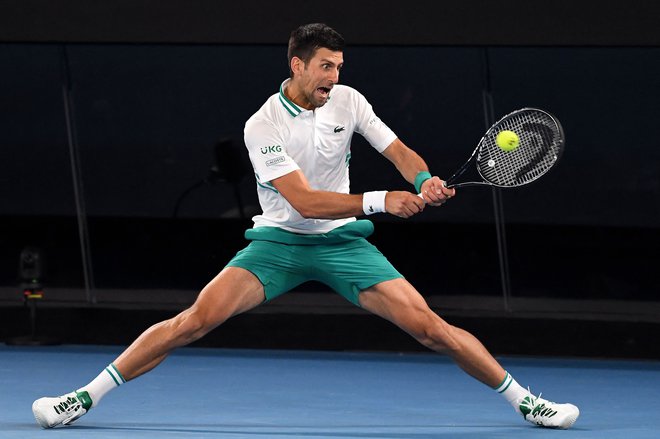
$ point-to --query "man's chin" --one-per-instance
(319, 99)
(319, 102)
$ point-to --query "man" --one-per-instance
(299, 145)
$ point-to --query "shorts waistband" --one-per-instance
(348, 232)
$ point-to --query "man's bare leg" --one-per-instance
(231, 292)
(399, 302)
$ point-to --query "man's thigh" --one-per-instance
(233, 291)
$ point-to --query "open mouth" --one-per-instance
(324, 91)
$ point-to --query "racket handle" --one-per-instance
(448, 184)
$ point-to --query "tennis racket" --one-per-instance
(541, 143)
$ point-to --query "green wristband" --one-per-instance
(421, 177)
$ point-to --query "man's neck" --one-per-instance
(295, 95)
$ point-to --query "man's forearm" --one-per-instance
(407, 161)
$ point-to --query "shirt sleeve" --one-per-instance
(379, 135)
(267, 151)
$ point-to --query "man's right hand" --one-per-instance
(403, 204)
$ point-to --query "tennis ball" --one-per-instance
(507, 140)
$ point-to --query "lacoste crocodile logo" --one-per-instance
(339, 129)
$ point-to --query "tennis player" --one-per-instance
(299, 145)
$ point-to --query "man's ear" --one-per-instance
(297, 65)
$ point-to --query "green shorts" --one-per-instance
(342, 259)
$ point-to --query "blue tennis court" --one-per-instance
(226, 393)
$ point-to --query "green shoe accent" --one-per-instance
(542, 410)
(84, 399)
(526, 406)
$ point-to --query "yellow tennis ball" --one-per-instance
(507, 140)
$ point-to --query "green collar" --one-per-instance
(292, 108)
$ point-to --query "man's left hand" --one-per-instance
(435, 193)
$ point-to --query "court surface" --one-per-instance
(303, 394)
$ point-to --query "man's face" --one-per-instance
(319, 75)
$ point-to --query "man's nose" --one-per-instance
(334, 76)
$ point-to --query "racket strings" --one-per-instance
(540, 143)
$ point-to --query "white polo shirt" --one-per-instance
(282, 137)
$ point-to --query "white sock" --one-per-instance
(512, 391)
(107, 380)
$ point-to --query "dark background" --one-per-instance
(121, 143)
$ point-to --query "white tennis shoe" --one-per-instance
(61, 410)
(546, 413)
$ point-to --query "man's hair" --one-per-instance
(308, 38)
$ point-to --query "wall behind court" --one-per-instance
(372, 22)
(156, 85)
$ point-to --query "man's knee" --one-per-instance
(192, 324)
(440, 336)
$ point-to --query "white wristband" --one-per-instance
(373, 202)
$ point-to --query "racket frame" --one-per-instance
(449, 182)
